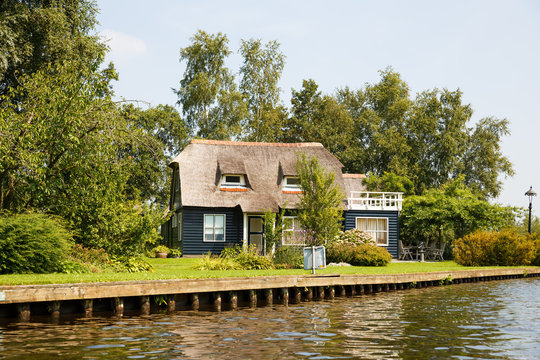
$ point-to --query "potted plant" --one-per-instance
(161, 251)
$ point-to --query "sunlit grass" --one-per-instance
(183, 269)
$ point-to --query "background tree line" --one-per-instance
(68, 149)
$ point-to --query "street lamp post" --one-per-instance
(530, 194)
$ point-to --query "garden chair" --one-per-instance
(405, 252)
(437, 253)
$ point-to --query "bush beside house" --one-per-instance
(503, 248)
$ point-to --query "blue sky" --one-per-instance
(488, 49)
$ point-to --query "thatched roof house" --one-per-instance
(220, 189)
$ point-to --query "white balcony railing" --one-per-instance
(374, 200)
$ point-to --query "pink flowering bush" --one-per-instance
(355, 237)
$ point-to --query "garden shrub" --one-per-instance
(212, 262)
(536, 240)
(132, 263)
(339, 252)
(235, 258)
(289, 257)
(174, 253)
(503, 248)
(358, 255)
(250, 260)
(370, 255)
(86, 260)
(33, 243)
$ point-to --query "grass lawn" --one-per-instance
(183, 269)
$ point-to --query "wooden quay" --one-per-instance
(24, 302)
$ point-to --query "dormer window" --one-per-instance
(291, 183)
(233, 182)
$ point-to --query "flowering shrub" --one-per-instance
(355, 237)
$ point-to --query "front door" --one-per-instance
(255, 233)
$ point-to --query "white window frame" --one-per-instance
(291, 187)
(213, 227)
(241, 184)
(174, 221)
(292, 229)
(374, 233)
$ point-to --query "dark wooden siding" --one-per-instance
(192, 230)
(393, 225)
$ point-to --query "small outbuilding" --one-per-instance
(221, 189)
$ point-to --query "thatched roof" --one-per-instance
(264, 165)
(354, 182)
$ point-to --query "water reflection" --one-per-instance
(495, 320)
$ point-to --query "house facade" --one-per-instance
(221, 189)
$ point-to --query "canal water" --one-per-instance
(488, 320)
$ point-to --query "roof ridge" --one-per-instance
(242, 143)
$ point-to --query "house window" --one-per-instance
(214, 228)
(292, 232)
(376, 227)
(233, 180)
(174, 221)
(291, 183)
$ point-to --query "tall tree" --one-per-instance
(36, 33)
(163, 137)
(211, 104)
(260, 73)
(428, 139)
(320, 118)
(320, 210)
(60, 155)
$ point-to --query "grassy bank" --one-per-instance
(183, 269)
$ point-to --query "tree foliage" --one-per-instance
(260, 74)
(216, 106)
(164, 136)
(211, 103)
(60, 153)
(428, 139)
(320, 210)
(35, 34)
(450, 212)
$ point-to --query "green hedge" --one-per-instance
(33, 243)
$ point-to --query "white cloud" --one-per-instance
(123, 46)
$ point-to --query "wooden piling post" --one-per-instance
(195, 302)
(296, 296)
(331, 293)
(268, 297)
(54, 310)
(360, 289)
(233, 300)
(145, 305)
(353, 290)
(285, 296)
(368, 289)
(319, 293)
(118, 306)
(88, 306)
(23, 311)
(386, 287)
(171, 304)
(308, 294)
(341, 291)
(217, 302)
(252, 299)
